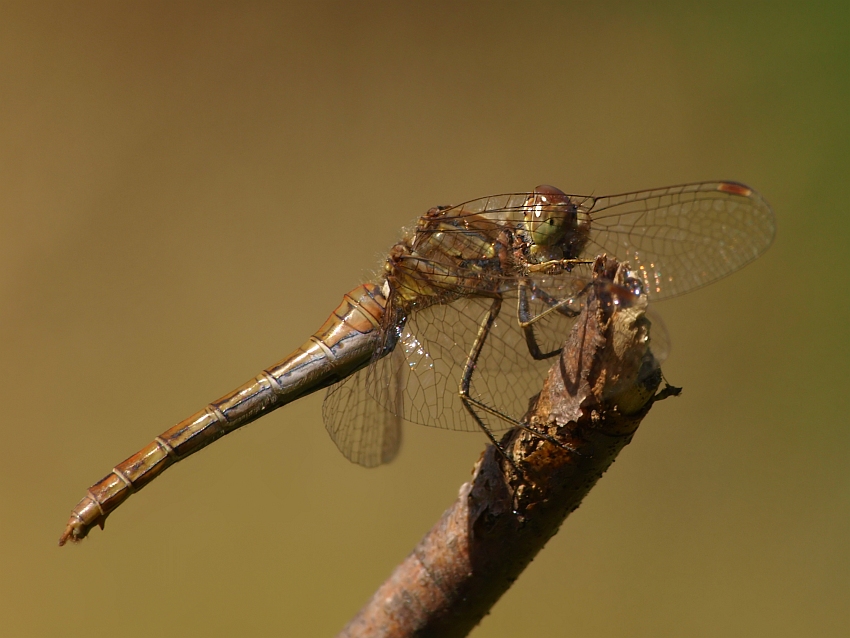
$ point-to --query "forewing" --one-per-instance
(676, 238)
(365, 431)
(679, 238)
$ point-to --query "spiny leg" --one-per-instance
(469, 401)
(526, 321)
(558, 265)
(472, 404)
(469, 368)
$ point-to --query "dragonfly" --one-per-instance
(471, 303)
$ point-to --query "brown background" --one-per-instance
(186, 190)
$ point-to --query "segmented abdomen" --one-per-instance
(344, 344)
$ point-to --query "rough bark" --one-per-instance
(598, 391)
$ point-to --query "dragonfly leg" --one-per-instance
(463, 389)
(526, 320)
(558, 265)
(469, 402)
(472, 404)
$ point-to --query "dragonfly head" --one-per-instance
(551, 223)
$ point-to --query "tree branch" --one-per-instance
(602, 385)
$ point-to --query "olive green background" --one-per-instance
(186, 191)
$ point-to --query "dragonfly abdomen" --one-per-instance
(342, 345)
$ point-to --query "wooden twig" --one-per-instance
(600, 388)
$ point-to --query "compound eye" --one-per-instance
(546, 189)
(547, 215)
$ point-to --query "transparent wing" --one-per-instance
(434, 346)
(677, 238)
(365, 431)
(680, 238)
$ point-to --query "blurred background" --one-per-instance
(186, 191)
